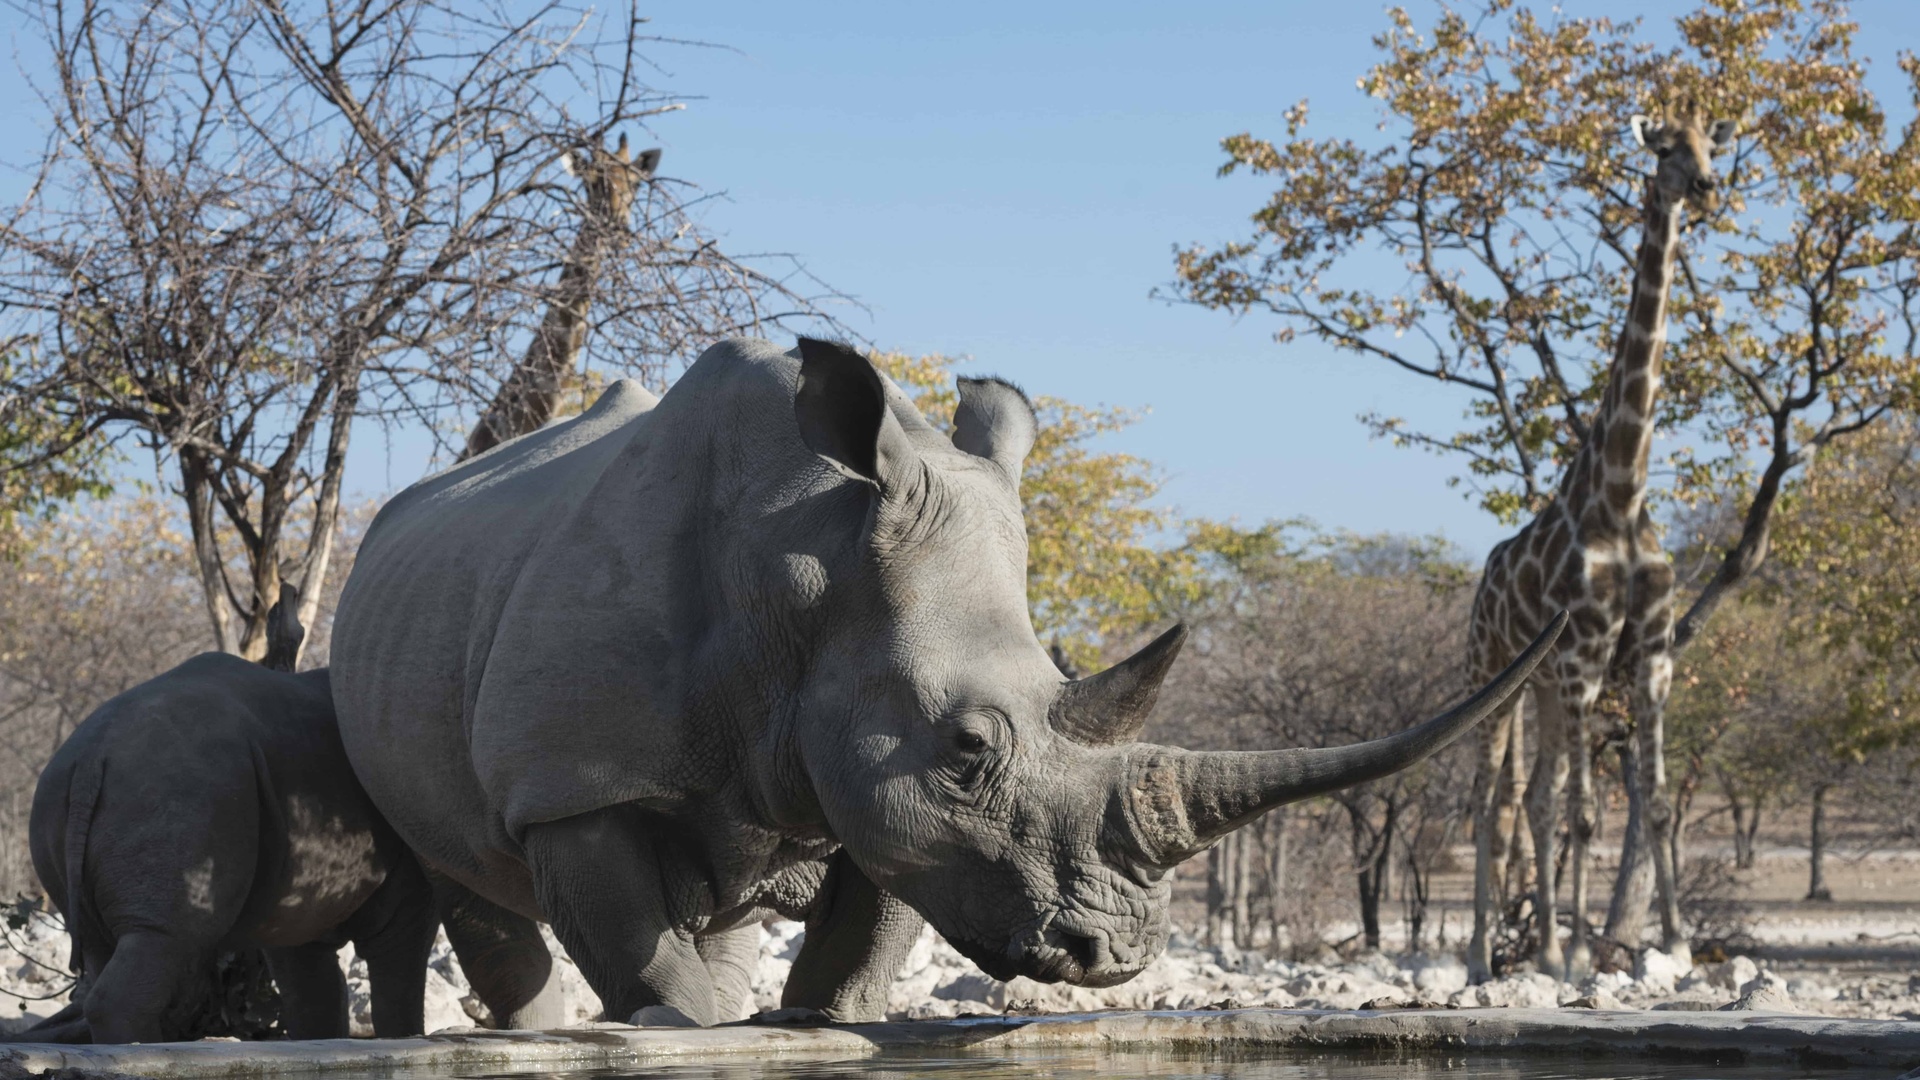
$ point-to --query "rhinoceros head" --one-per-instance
(954, 762)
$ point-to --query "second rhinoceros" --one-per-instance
(765, 645)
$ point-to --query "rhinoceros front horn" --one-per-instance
(1178, 802)
(1111, 707)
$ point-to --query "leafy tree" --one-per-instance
(1849, 542)
(1487, 243)
(34, 482)
(1093, 572)
(1305, 638)
(1501, 210)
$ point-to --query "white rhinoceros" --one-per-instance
(764, 644)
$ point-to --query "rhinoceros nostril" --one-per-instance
(1084, 950)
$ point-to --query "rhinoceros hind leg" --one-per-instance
(313, 992)
(504, 957)
(148, 991)
(69, 1025)
(599, 880)
(857, 938)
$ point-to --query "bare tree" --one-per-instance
(1345, 641)
(254, 223)
(100, 599)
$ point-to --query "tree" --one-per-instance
(1850, 548)
(1094, 576)
(34, 484)
(1502, 206)
(98, 598)
(254, 223)
(1308, 639)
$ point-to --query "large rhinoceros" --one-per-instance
(651, 671)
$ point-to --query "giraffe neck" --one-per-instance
(1610, 473)
(556, 346)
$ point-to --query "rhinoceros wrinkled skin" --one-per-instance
(765, 644)
(211, 809)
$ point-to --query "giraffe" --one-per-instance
(528, 397)
(1593, 550)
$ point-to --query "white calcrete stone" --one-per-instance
(1804, 989)
(1656, 971)
(1731, 974)
(1531, 990)
(1437, 976)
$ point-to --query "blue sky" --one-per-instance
(1007, 182)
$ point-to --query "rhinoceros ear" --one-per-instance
(841, 406)
(995, 421)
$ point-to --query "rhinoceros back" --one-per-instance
(416, 623)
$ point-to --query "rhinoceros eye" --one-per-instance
(970, 740)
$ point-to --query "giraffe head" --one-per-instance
(1685, 148)
(612, 178)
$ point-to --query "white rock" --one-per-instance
(1531, 990)
(1804, 989)
(1438, 976)
(1592, 998)
(1656, 971)
(1610, 982)
(1731, 974)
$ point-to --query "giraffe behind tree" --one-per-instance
(1594, 551)
(532, 392)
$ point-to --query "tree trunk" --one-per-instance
(196, 486)
(1419, 889)
(263, 571)
(1242, 881)
(1375, 860)
(326, 512)
(1742, 840)
(1745, 843)
(1276, 827)
(1218, 925)
(1817, 848)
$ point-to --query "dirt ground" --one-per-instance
(1872, 924)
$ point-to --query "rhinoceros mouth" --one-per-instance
(994, 962)
(1054, 956)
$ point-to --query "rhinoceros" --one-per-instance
(212, 808)
(763, 644)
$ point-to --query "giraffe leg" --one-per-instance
(1494, 744)
(1544, 792)
(1514, 823)
(1650, 630)
(1514, 850)
(1653, 675)
(1580, 811)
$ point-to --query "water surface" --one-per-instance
(1081, 1065)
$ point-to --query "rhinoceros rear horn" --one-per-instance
(994, 420)
(841, 407)
(1112, 707)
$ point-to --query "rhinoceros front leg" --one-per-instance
(857, 938)
(599, 880)
(503, 956)
(731, 957)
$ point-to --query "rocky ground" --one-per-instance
(1858, 957)
(937, 982)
